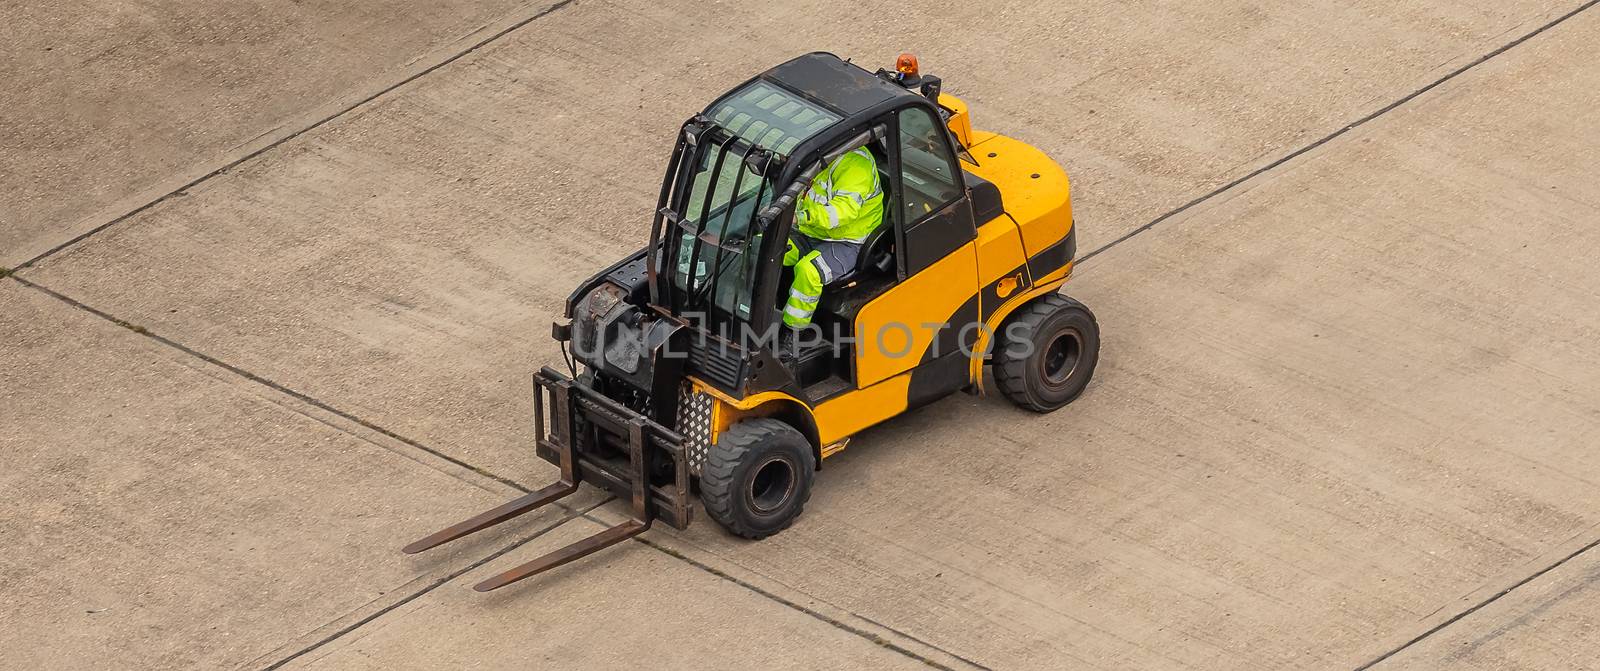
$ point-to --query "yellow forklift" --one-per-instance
(688, 386)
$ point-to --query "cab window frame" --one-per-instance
(941, 149)
(954, 227)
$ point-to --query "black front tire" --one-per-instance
(1047, 353)
(757, 477)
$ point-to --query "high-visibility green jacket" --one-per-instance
(844, 202)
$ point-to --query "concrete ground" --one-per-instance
(283, 270)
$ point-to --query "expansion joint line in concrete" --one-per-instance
(297, 133)
(297, 395)
(1340, 132)
(434, 585)
(1325, 140)
(418, 445)
(1478, 606)
(886, 643)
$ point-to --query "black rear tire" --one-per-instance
(1047, 352)
(757, 477)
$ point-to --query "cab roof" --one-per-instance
(834, 82)
(801, 99)
(828, 80)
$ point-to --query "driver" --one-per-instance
(843, 206)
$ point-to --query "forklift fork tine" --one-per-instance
(578, 550)
(519, 506)
(642, 517)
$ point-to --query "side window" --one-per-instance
(927, 176)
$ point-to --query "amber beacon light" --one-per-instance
(906, 65)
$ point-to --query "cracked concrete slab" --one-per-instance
(160, 514)
(107, 100)
(628, 605)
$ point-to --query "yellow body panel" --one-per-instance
(889, 331)
(960, 122)
(992, 324)
(727, 409)
(842, 416)
(836, 419)
(999, 251)
(979, 137)
(1041, 205)
(747, 403)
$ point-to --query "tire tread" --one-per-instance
(1010, 372)
(717, 474)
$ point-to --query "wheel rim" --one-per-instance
(771, 486)
(1061, 357)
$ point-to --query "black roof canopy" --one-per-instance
(805, 105)
(828, 80)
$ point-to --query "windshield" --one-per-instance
(714, 265)
(719, 250)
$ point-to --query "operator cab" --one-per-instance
(728, 208)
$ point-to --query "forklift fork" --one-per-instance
(642, 439)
